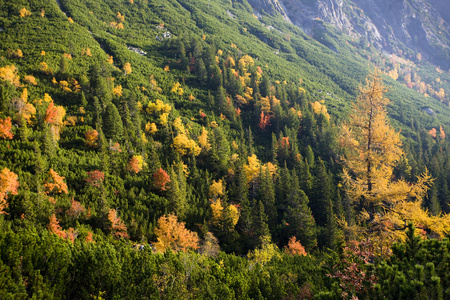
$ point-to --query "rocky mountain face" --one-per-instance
(412, 26)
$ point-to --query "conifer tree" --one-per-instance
(264, 87)
(39, 162)
(372, 149)
(83, 101)
(260, 227)
(201, 71)
(267, 196)
(321, 193)
(309, 156)
(298, 215)
(48, 142)
(112, 123)
(331, 232)
(305, 176)
(177, 202)
(221, 147)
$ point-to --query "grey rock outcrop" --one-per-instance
(416, 26)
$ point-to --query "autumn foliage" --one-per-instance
(353, 276)
(432, 132)
(264, 121)
(55, 184)
(173, 235)
(76, 209)
(135, 164)
(372, 150)
(5, 128)
(127, 68)
(95, 178)
(54, 114)
(54, 227)
(9, 74)
(294, 247)
(9, 184)
(117, 226)
(24, 13)
(91, 138)
(161, 179)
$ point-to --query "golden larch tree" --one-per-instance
(173, 235)
(5, 128)
(371, 151)
(91, 138)
(371, 146)
(127, 68)
(24, 13)
(9, 184)
(118, 227)
(55, 184)
(9, 74)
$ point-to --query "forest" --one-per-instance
(157, 149)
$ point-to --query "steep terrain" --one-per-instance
(417, 26)
(158, 148)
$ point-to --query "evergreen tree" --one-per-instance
(309, 156)
(433, 201)
(305, 176)
(112, 123)
(330, 236)
(39, 161)
(83, 101)
(299, 215)
(250, 142)
(297, 219)
(215, 77)
(266, 194)
(48, 142)
(175, 195)
(259, 224)
(220, 150)
(201, 71)
(321, 193)
(274, 148)
(264, 87)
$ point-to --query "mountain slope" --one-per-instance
(418, 26)
(130, 127)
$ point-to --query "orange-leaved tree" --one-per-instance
(54, 117)
(91, 138)
(173, 235)
(9, 184)
(95, 178)
(371, 150)
(135, 164)
(161, 179)
(55, 184)
(5, 128)
(118, 227)
(76, 209)
(54, 227)
(294, 247)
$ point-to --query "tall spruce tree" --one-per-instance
(112, 123)
(299, 217)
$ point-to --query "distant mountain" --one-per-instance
(394, 26)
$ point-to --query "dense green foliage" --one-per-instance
(267, 106)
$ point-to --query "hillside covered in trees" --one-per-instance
(195, 150)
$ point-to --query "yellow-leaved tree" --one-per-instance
(173, 235)
(372, 148)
